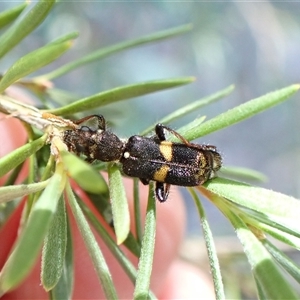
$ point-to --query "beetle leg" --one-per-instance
(144, 181)
(162, 191)
(159, 130)
(100, 119)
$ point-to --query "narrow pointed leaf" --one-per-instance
(242, 112)
(283, 260)
(276, 207)
(13, 159)
(272, 282)
(11, 192)
(22, 28)
(210, 247)
(113, 247)
(93, 248)
(119, 203)
(191, 107)
(184, 130)
(116, 48)
(32, 62)
(64, 287)
(110, 242)
(260, 292)
(279, 234)
(137, 211)
(243, 173)
(83, 173)
(142, 284)
(29, 243)
(10, 15)
(65, 38)
(120, 93)
(54, 250)
(11, 180)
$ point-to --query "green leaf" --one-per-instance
(65, 38)
(103, 206)
(17, 156)
(243, 173)
(13, 175)
(114, 49)
(10, 15)
(242, 112)
(210, 247)
(83, 173)
(137, 211)
(120, 93)
(283, 260)
(11, 192)
(191, 107)
(110, 243)
(54, 250)
(142, 283)
(113, 247)
(271, 229)
(98, 260)
(271, 281)
(260, 292)
(184, 130)
(119, 203)
(272, 206)
(64, 287)
(21, 29)
(33, 61)
(28, 244)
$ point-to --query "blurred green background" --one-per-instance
(255, 46)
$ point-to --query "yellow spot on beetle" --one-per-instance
(165, 149)
(161, 174)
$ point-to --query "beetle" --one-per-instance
(92, 140)
(166, 163)
(147, 158)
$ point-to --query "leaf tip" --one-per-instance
(120, 240)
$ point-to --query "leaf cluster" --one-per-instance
(254, 212)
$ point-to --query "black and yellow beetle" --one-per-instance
(147, 158)
(167, 163)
